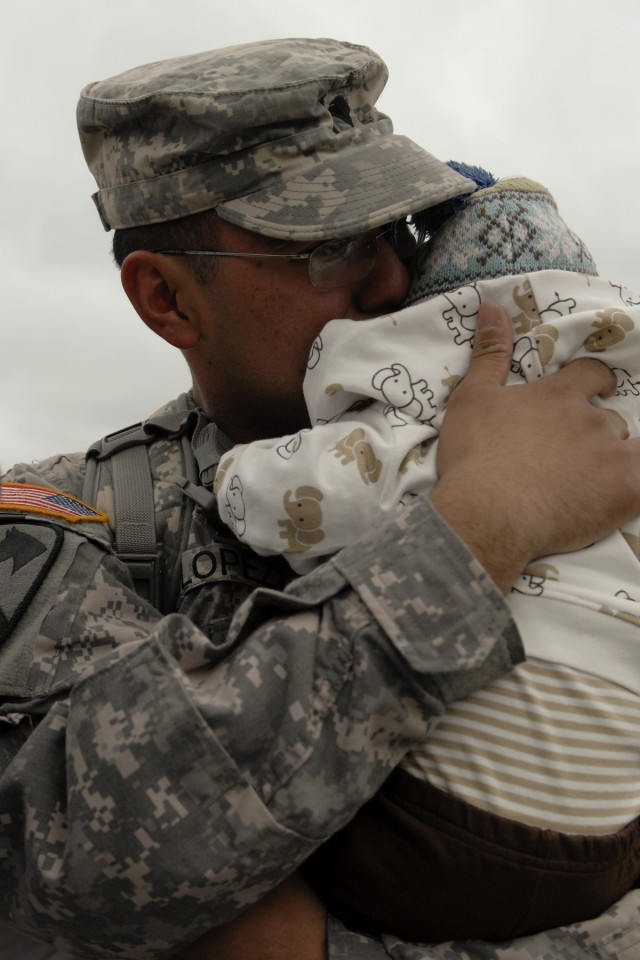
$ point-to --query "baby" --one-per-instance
(520, 812)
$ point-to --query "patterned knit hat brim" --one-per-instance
(511, 227)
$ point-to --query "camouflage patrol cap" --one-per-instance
(281, 137)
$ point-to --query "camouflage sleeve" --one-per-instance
(62, 472)
(613, 936)
(167, 783)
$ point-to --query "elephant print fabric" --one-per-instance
(377, 392)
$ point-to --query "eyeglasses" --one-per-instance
(335, 263)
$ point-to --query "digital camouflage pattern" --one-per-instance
(158, 774)
(180, 136)
(204, 763)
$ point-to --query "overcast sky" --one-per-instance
(545, 88)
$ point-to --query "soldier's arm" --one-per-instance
(167, 783)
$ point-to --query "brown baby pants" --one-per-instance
(428, 867)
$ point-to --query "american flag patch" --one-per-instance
(22, 498)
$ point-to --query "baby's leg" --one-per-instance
(288, 924)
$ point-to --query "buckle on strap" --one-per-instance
(146, 571)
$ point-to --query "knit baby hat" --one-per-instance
(511, 226)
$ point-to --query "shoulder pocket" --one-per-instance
(35, 555)
(27, 553)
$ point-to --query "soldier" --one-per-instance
(170, 752)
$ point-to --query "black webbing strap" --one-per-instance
(134, 520)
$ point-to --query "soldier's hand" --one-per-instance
(532, 469)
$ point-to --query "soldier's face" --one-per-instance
(258, 319)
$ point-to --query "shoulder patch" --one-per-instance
(22, 498)
(27, 551)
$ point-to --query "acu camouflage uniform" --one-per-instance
(160, 773)
(203, 764)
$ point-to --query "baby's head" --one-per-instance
(506, 227)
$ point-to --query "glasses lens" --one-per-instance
(340, 262)
(403, 240)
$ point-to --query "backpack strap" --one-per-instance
(138, 542)
(135, 524)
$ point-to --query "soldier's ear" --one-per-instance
(157, 285)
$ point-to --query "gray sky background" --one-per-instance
(546, 89)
